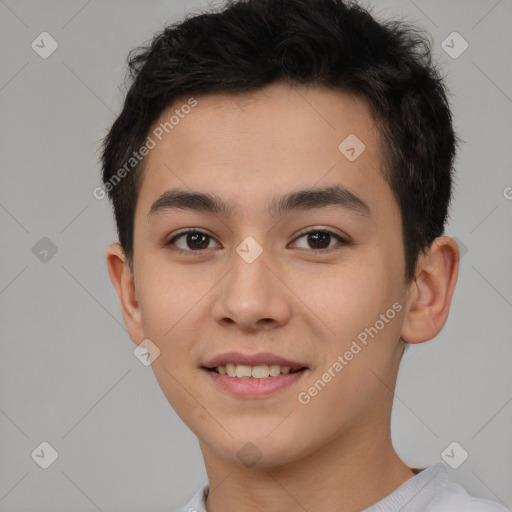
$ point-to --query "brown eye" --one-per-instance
(319, 239)
(191, 241)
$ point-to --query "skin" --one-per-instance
(335, 452)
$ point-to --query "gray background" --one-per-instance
(68, 373)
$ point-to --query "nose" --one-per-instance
(253, 296)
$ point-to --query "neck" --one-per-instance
(348, 474)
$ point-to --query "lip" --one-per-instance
(251, 360)
(254, 388)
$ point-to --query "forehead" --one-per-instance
(250, 146)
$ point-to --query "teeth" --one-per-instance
(243, 370)
(260, 372)
(275, 370)
(256, 372)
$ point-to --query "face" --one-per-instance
(314, 282)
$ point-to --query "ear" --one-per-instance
(124, 283)
(431, 291)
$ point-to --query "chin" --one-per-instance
(251, 449)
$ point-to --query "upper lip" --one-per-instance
(251, 360)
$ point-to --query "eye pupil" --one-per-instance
(194, 237)
(318, 238)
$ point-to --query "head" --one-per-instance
(310, 148)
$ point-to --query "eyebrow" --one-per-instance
(337, 196)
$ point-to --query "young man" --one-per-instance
(281, 176)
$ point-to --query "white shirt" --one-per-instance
(428, 491)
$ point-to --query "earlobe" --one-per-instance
(431, 291)
(124, 284)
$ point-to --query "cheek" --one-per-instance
(362, 308)
(165, 297)
(171, 313)
(349, 298)
(165, 316)
(344, 401)
(178, 388)
(353, 381)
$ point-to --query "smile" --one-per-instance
(262, 371)
(251, 387)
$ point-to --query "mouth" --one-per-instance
(254, 381)
(261, 371)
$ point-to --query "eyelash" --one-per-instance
(341, 240)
